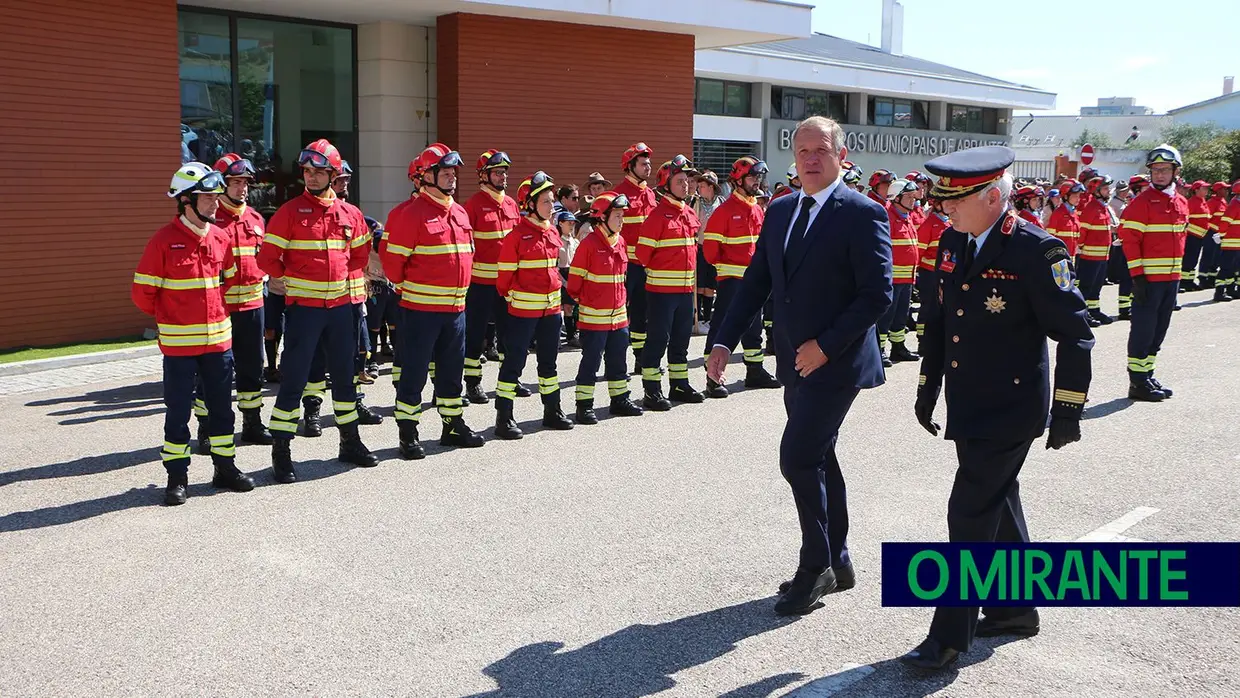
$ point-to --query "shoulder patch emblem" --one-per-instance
(1008, 224)
(948, 263)
(1057, 252)
(1062, 275)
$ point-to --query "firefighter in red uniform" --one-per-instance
(358, 288)
(667, 250)
(1198, 229)
(635, 164)
(415, 180)
(492, 214)
(730, 240)
(530, 281)
(596, 281)
(178, 282)
(919, 212)
(1153, 230)
(794, 184)
(312, 243)
(1136, 184)
(243, 294)
(904, 260)
(429, 257)
(1027, 202)
(1065, 222)
(1225, 288)
(1217, 205)
(928, 235)
(880, 182)
(1095, 223)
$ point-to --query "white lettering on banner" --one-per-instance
(897, 144)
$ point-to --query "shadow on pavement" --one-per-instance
(636, 661)
(1107, 408)
(765, 687)
(150, 411)
(87, 465)
(1197, 304)
(112, 396)
(125, 402)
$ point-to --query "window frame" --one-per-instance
(747, 112)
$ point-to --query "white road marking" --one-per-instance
(1110, 533)
(848, 675)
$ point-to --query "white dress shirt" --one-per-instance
(820, 200)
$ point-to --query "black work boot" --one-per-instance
(553, 414)
(253, 431)
(352, 450)
(522, 390)
(505, 426)
(1220, 296)
(1143, 389)
(204, 438)
(178, 488)
(901, 352)
(474, 392)
(683, 392)
(1101, 316)
(282, 460)
(457, 433)
(715, 390)
(410, 446)
(365, 415)
(654, 399)
(1124, 314)
(585, 412)
(310, 413)
(637, 363)
(756, 376)
(227, 477)
(623, 406)
(1159, 386)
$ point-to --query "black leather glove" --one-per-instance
(1140, 285)
(1063, 431)
(927, 396)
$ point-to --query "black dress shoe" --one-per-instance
(931, 655)
(1024, 625)
(807, 587)
(845, 579)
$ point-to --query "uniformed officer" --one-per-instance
(1006, 287)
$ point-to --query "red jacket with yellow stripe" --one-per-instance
(529, 276)
(492, 215)
(1218, 206)
(313, 244)
(1153, 230)
(1198, 217)
(904, 253)
(596, 282)
(357, 277)
(1065, 224)
(243, 227)
(641, 202)
(429, 253)
(667, 247)
(928, 234)
(731, 235)
(178, 281)
(1229, 229)
(1095, 222)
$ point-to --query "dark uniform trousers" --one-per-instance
(1093, 274)
(431, 345)
(544, 332)
(984, 506)
(751, 338)
(635, 286)
(304, 327)
(928, 293)
(483, 305)
(273, 325)
(669, 327)
(599, 346)
(809, 465)
(894, 323)
(1192, 254)
(213, 375)
(316, 384)
(247, 351)
(1119, 271)
(363, 340)
(1209, 256)
(1150, 320)
(1228, 265)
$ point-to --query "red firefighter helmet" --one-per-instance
(492, 159)
(531, 187)
(1070, 186)
(881, 177)
(680, 163)
(1024, 193)
(605, 203)
(1235, 187)
(632, 153)
(747, 165)
(1098, 182)
(436, 156)
(320, 154)
(233, 165)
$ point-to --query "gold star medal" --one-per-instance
(995, 303)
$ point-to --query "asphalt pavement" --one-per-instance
(636, 557)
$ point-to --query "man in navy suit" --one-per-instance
(824, 258)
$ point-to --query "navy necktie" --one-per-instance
(796, 240)
(971, 254)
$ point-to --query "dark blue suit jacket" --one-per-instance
(835, 291)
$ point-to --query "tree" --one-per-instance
(1210, 153)
(1097, 139)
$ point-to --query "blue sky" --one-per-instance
(1079, 50)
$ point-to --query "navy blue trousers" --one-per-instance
(808, 463)
(1150, 320)
(928, 292)
(751, 338)
(1209, 256)
(984, 507)
(668, 329)
(635, 287)
(247, 349)
(1092, 275)
(1192, 255)
(1118, 265)
(597, 346)
(213, 374)
(544, 332)
(483, 305)
(304, 327)
(1228, 265)
(428, 338)
(893, 324)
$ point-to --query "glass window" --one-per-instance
(903, 114)
(709, 97)
(736, 99)
(990, 121)
(204, 46)
(882, 112)
(921, 115)
(719, 155)
(837, 107)
(959, 119)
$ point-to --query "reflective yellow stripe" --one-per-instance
(629, 220)
(491, 234)
(606, 278)
(428, 294)
(399, 250)
(194, 335)
(523, 300)
(245, 251)
(1095, 250)
(669, 242)
(305, 288)
(730, 271)
(661, 277)
(148, 280)
(451, 248)
(191, 284)
(903, 242)
(275, 240)
(318, 245)
(536, 263)
(243, 294)
(601, 316)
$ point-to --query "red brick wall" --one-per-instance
(88, 143)
(563, 98)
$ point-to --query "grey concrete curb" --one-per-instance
(21, 368)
